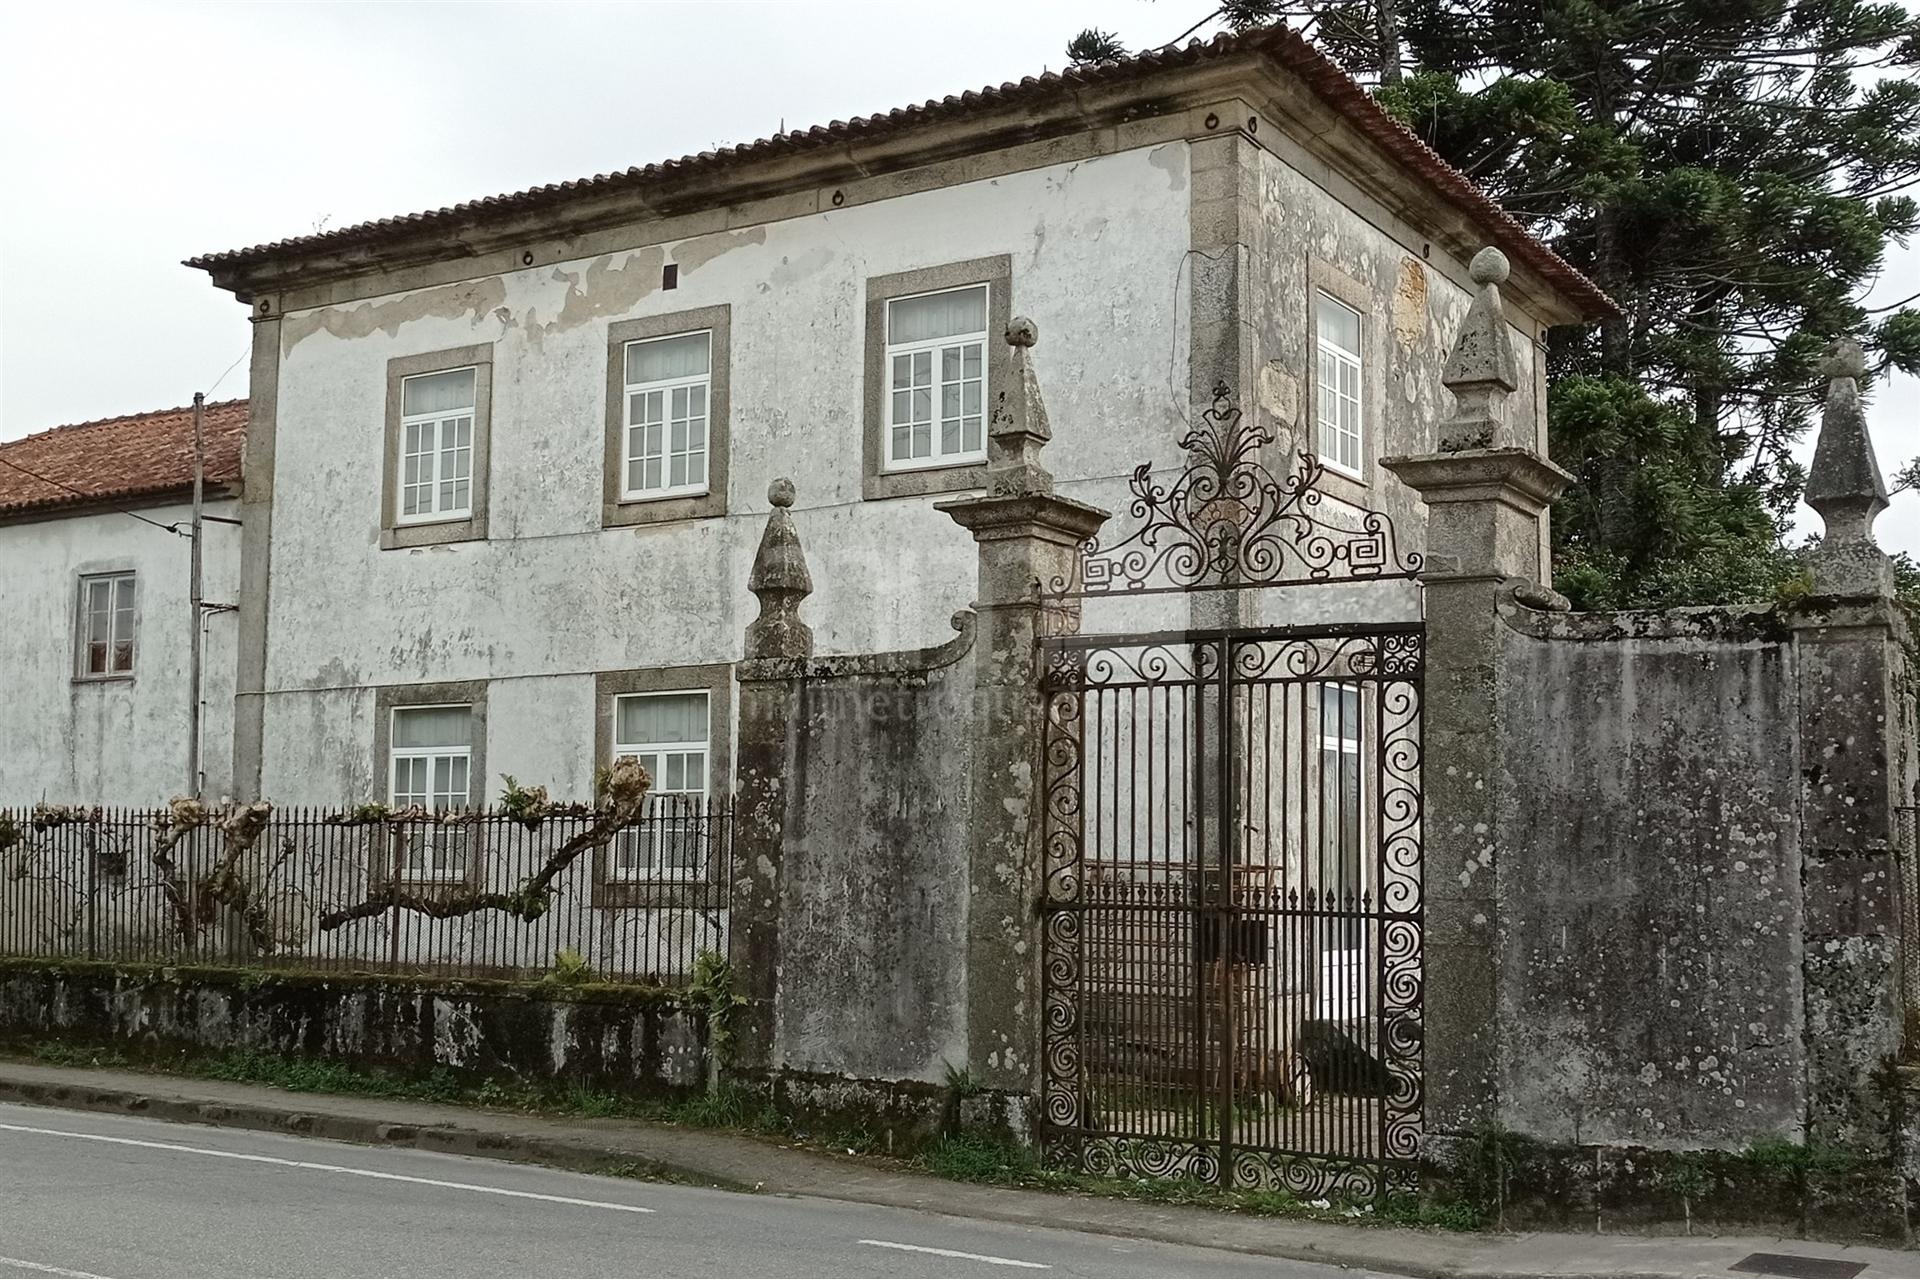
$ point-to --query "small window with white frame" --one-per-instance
(432, 758)
(436, 446)
(668, 388)
(936, 378)
(670, 734)
(106, 625)
(1340, 439)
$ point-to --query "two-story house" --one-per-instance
(507, 460)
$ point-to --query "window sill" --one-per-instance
(400, 537)
(124, 678)
(924, 480)
(626, 512)
(666, 894)
(1343, 486)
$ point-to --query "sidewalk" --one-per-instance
(747, 1163)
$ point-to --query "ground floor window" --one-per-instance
(432, 758)
(670, 734)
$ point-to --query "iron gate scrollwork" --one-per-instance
(1231, 907)
(1228, 523)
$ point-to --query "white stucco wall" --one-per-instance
(551, 598)
(119, 741)
(1099, 253)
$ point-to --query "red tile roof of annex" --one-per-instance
(119, 459)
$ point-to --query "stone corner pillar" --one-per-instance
(1029, 542)
(1487, 491)
(771, 675)
(1856, 753)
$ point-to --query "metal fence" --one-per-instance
(484, 894)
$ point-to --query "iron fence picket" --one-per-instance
(433, 895)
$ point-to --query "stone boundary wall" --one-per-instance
(872, 894)
(631, 1040)
(1649, 988)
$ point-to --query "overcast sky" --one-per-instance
(132, 136)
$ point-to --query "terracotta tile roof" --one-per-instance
(119, 459)
(1284, 45)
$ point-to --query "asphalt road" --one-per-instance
(86, 1196)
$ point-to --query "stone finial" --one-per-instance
(1844, 484)
(1018, 429)
(780, 580)
(1483, 368)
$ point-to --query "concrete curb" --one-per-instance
(446, 1139)
(807, 1174)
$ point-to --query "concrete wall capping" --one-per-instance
(921, 661)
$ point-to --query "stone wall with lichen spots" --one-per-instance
(628, 1039)
(1649, 874)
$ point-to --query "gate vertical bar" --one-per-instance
(1227, 939)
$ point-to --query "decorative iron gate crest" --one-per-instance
(1229, 523)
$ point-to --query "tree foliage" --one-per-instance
(1732, 173)
(1094, 45)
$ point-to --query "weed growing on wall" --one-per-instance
(711, 990)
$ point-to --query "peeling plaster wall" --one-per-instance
(874, 899)
(1650, 983)
(551, 597)
(1305, 239)
(121, 741)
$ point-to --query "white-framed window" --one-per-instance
(106, 625)
(432, 755)
(936, 378)
(669, 388)
(436, 446)
(671, 735)
(1339, 441)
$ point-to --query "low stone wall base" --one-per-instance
(1519, 1184)
(629, 1040)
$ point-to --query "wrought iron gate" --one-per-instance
(1231, 913)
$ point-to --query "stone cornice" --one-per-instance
(1516, 477)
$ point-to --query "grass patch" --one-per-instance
(964, 1157)
(993, 1162)
(730, 1107)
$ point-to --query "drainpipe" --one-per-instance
(194, 585)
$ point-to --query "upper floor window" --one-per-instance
(436, 445)
(668, 382)
(936, 378)
(106, 625)
(669, 733)
(1339, 437)
(431, 764)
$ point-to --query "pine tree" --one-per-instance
(1094, 45)
(1731, 172)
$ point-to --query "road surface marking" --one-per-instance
(961, 1256)
(310, 1166)
(39, 1269)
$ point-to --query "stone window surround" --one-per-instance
(995, 272)
(395, 535)
(716, 680)
(1323, 277)
(617, 513)
(78, 662)
(391, 697)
